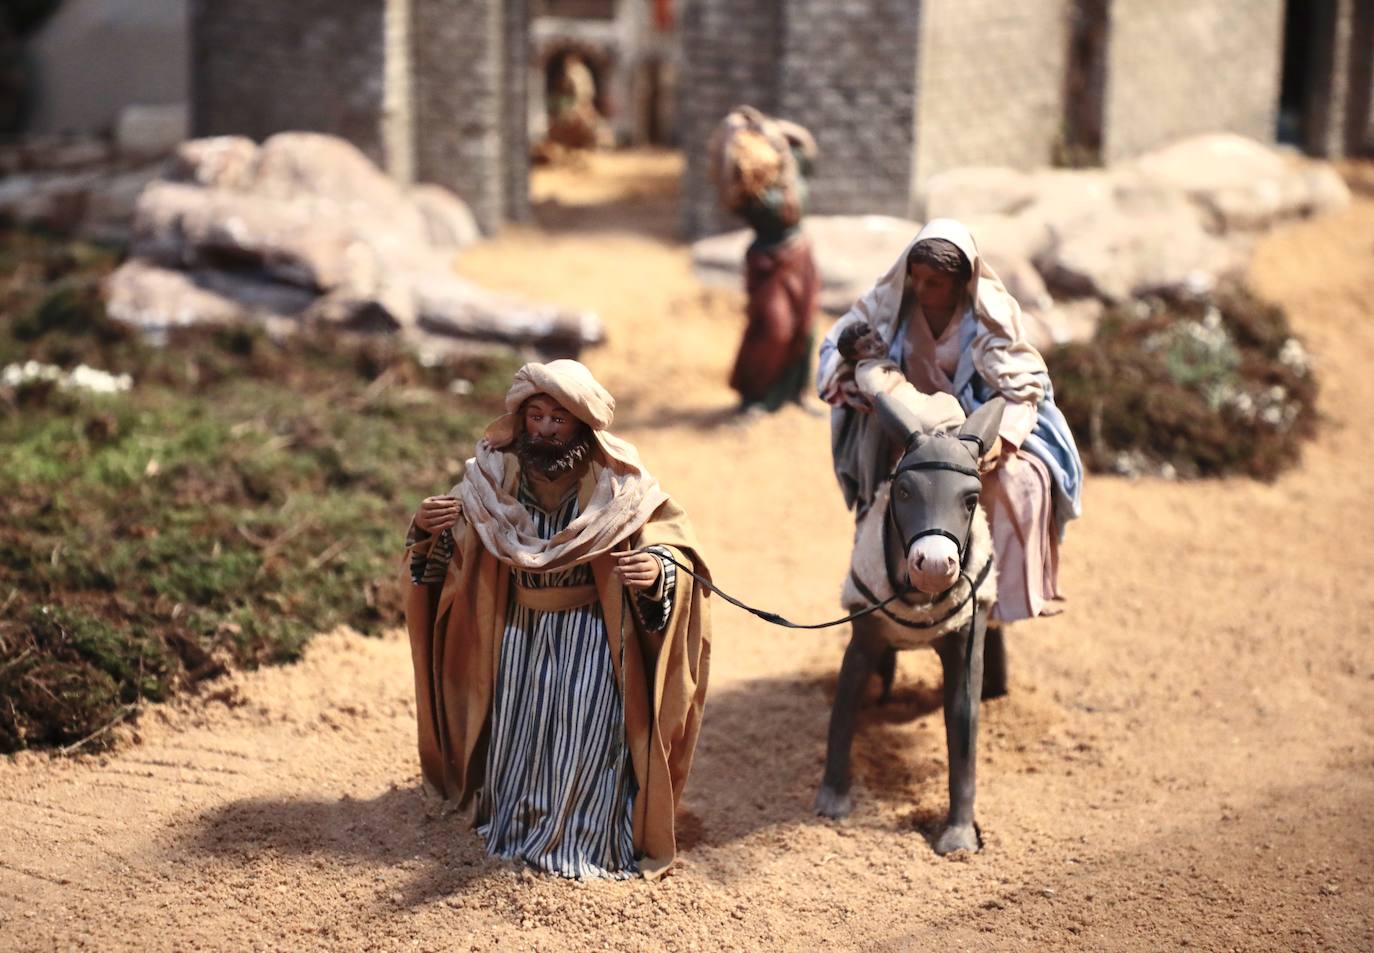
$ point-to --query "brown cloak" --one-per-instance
(455, 637)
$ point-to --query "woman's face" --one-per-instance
(936, 290)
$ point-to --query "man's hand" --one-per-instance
(437, 513)
(638, 570)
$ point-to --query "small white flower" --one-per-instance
(1294, 356)
(97, 381)
(1243, 405)
(81, 378)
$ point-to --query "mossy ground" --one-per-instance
(242, 496)
(1204, 388)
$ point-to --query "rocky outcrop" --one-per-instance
(1178, 222)
(305, 229)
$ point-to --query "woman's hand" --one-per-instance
(1000, 451)
(638, 570)
(846, 392)
(437, 513)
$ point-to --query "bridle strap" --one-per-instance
(935, 465)
(881, 605)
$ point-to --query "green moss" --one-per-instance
(245, 495)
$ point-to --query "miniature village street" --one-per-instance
(1185, 757)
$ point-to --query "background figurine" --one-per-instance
(946, 320)
(759, 165)
(574, 122)
(538, 636)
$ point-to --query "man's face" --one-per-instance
(549, 422)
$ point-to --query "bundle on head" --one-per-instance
(748, 154)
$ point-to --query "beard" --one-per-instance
(552, 458)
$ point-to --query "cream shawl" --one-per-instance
(1002, 354)
(623, 498)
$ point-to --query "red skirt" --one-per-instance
(773, 363)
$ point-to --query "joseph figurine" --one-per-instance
(560, 656)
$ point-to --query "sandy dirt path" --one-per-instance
(1186, 759)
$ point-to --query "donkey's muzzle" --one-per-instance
(932, 563)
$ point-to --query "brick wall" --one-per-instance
(398, 122)
(264, 66)
(1180, 67)
(848, 72)
(515, 80)
(1339, 114)
(893, 90)
(990, 83)
(468, 104)
(731, 53)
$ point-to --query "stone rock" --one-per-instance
(1065, 200)
(446, 304)
(183, 226)
(449, 222)
(56, 202)
(1020, 278)
(854, 251)
(293, 164)
(1326, 190)
(318, 234)
(216, 162)
(1063, 322)
(112, 202)
(373, 313)
(63, 153)
(1013, 236)
(851, 252)
(975, 190)
(148, 131)
(1243, 185)
(156, 299)
(1130, 252)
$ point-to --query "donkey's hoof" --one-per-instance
(832, 804)
(957, 837)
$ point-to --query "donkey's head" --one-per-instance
(935, 487)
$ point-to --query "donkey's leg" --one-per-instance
(994, 663)
(860, 658)
(961, 654)
(887, 671)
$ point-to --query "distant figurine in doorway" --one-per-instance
(759, 165)
(574, 122)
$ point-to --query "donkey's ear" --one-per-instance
(897, 421)
(984, 423)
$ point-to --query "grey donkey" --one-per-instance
(924, 534)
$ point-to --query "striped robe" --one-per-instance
(560, 785)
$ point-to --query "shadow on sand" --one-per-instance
(757, 766)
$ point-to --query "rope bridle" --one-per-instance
(898, 590)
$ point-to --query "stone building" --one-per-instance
(895, 90)
(432, 90)
(628, 45)
(93, 58)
